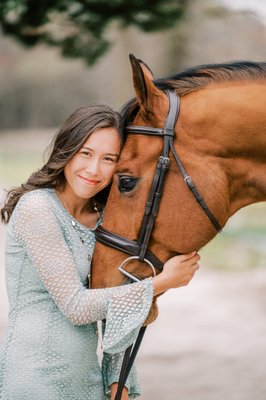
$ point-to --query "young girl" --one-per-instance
(49, 351)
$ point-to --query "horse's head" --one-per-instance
(181, 225)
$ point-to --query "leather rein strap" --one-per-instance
(139, 248)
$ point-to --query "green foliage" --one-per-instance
(79, 27)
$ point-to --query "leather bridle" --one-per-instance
(139, 249)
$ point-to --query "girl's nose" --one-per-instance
(93, 166)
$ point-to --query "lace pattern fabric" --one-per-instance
(47, 268)
(111, 367)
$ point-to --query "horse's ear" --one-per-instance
(147, 93)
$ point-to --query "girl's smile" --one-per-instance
(89, 181)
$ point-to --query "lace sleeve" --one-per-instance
(36, 226)
(111, 368)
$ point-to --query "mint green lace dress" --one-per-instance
(49, 352)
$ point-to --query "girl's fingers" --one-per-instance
(191, 258)
(187, 256)
(195, 266)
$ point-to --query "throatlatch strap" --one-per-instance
(191, 185)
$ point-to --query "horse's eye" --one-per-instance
(126, 183)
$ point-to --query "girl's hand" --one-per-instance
(114, 387)
(178, 271)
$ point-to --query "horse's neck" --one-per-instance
(228, 123)
(246, 182)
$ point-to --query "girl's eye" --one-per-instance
(109, 159)
(85, 153)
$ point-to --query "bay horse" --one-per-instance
(220, 137)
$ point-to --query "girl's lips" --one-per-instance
(89, 181)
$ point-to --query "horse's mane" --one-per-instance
(200, 77)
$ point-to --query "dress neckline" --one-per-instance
(70, 216)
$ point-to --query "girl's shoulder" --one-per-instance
(36, 197)
(36, 201)
(32, 208)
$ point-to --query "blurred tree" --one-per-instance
(78, 27)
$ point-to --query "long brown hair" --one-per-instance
(65, 144)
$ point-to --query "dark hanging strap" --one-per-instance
(122, 379)
(128, 361)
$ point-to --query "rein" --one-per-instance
(139, 249)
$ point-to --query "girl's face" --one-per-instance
(91, 169)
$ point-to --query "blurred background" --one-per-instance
(209, 340)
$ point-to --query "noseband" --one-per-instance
(139, 249)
